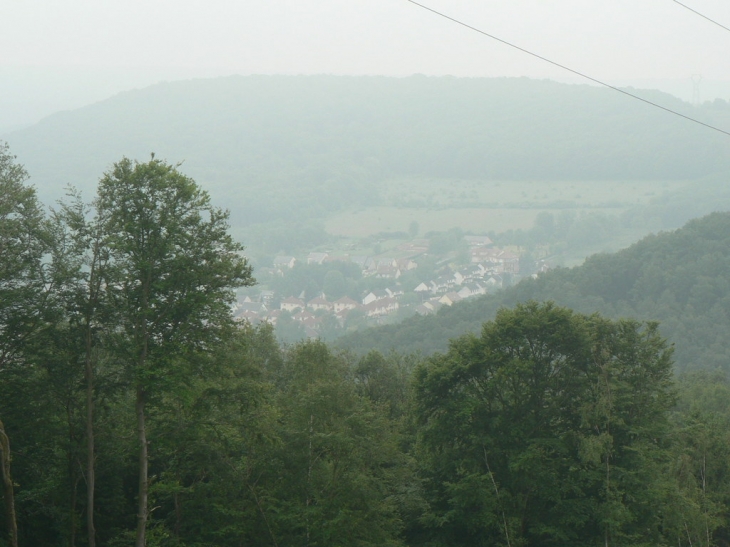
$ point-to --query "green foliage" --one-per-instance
(175, 268)
(176, 262)
(442, 243)
(386, 380)
(334, 279)
(26, 291)
(339, 456)
(289, 331)
(543, 431)
(413, 229)
(334, 285)
(25, 239)
(274, 448)
(213, 434)
(701, 443)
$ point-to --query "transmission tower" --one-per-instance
(696, 79)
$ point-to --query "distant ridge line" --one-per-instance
(564, 67)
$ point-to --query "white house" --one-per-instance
(319, 303)
(291, 304)
(317, 258)
(381, 307)
(281, 262)
(345, 303)
(373, 296)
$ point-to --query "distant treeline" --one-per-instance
(280, 147)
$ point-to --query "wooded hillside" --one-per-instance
(281, 147)
(680, 278)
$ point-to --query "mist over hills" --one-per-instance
(271, 147)
(256, 442)
(680, 278)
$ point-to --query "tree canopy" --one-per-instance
(546, 430)
(25, 287)
(174, 270)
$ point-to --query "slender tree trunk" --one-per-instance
(90, 455)
(689, 537)
(8, 495)
(704, 496)
(309, 473)
(73, 476)
(609, 413)
(142, 509)
(95, 280)
(74, 498)
(263, 515)
(608, 489)
(499, 499)
(178, 516)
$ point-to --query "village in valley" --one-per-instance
(408, 279)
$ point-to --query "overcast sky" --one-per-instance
(106, 46)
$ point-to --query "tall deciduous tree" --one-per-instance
(698, 512)
(177, 268)
(24, 240)
(545, 430)
(339, 457)
(81, 258)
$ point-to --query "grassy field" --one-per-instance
(480, 207)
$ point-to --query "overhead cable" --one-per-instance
(701, 15)
(576, 72)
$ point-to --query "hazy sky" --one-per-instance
(616, 40)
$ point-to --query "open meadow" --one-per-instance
(485, 206)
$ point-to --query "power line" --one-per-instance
(581, 74)
(701, 15)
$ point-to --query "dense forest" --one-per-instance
(135, 411)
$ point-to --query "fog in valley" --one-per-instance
(365, 273)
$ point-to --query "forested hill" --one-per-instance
(281, 146)
(681, 279)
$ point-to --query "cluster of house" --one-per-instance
(457, 286)
(485, 274)
(497, 260)
(312, 313)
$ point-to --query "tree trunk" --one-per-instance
(309, 474)
(178, 516)
(143, 480)
(499, 499)
(74, 497)
(8, 495)
(95, 286)
(90, 457)
(73, 477)
(142, 507)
